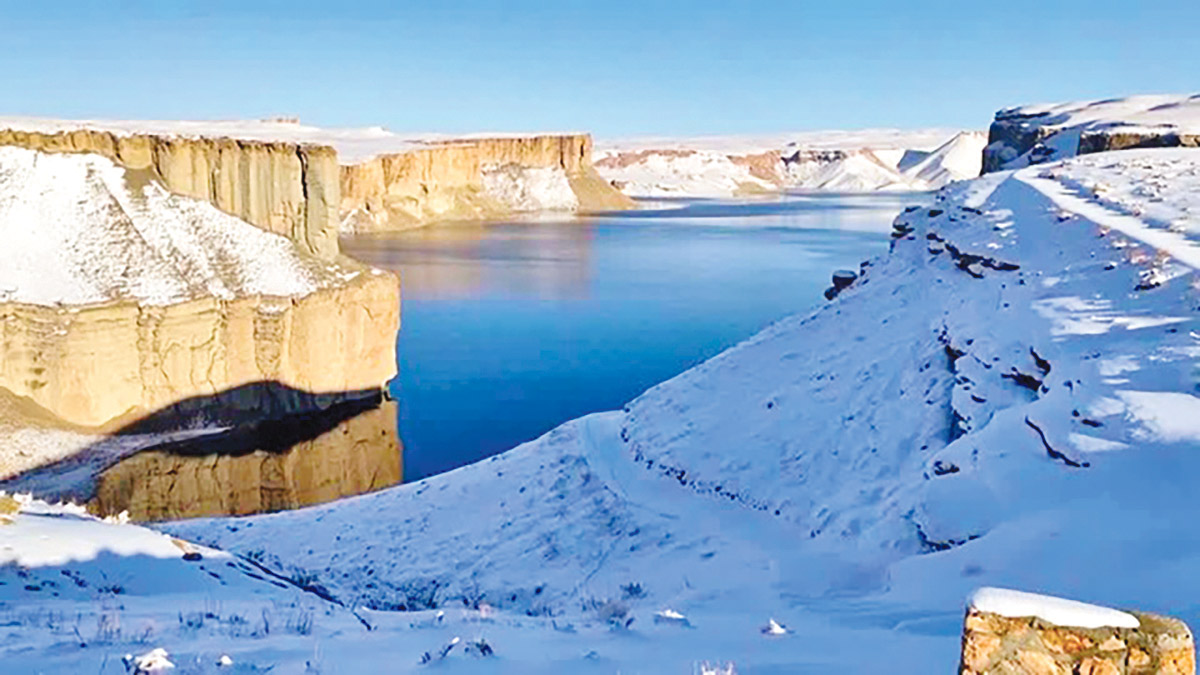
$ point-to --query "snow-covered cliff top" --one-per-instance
(77, 229)
(353, 145)
(1180, 112)
(1036, 134)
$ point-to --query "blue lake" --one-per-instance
(509, 329)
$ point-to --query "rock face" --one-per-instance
(119, 298)
(994, 644)
(360, 454)
(285, 188)
(102, 365)
(455, 180)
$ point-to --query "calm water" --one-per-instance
(509, 329)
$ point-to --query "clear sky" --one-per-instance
(617, 67)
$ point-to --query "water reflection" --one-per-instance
(236, 452)
(271, 465)
(462, 260)
(509, 329)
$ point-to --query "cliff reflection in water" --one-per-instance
(546, 259)
(347, 448)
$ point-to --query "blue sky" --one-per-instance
(613, 67)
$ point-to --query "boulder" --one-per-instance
(1012, 632)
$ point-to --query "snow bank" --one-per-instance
(1058, 611)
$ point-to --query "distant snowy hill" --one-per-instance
(1035, 134)
(834, 161)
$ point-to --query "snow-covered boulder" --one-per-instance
(1009, 631)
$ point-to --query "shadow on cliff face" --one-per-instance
(263, 446)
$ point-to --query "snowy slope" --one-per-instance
(79, 229)
(1035, 134)
(835, 161)
(1007, 399)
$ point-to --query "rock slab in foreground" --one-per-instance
(993, 644)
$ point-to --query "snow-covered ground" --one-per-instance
(78, 229)
(834, 161)
(1008, 398)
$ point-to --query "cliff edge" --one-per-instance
(475, 178)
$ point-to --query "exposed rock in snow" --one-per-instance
(836, 161)
(1035, 134)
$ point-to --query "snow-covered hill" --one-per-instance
(835, 161)
(78, 229)
(1035, 134)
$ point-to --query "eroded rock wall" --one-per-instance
(445, 181)
(286, 188)
(107, 365)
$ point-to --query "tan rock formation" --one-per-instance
(994, 644)
(286, 188)
(106, 364)
(361, 454)
(444, 181)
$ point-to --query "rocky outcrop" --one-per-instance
(994, 644)
(447, 181)
(103, 365)
(1043, 133)
(359, 454)
(285, 188)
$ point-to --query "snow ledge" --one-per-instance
(1058, 611)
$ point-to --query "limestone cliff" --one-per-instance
(106, 364)
(119, 298)
(457, 180)
(285, 188)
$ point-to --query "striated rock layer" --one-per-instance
(289, 189)
(106, 364)
(452, 181)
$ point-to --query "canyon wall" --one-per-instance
(446, 181)
(285, 188)
(105, 365)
